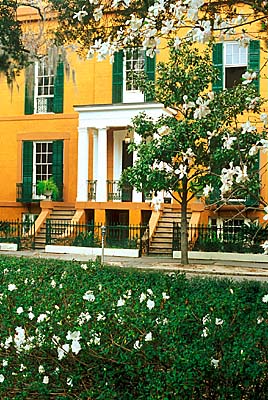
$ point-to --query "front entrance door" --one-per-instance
(127, 161)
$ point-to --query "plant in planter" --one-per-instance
(48, 188)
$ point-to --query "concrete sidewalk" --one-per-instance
(214, 268)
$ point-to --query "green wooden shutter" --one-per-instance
(58, 89)
(57, 165)
(27, 171)
(251, 200)
(217, 59)
(29, 90)
(150, 72)
(117, 84)
(254, 60)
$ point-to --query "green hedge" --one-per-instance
(81, 331)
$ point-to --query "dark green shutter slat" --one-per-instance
(27, 170)
(217, 59)
(57, 165)
(29, 90)
(254, 60)
(150, 72)
(117, 85)
(59, 89)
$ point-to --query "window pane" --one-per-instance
(233, 76)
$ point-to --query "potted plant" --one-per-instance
(48, 188)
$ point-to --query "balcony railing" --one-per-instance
(116, 192)
(91, 185)
(26, 193)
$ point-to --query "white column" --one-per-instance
(95, 155)
(136, 196)
(82, 166)
(101, 194)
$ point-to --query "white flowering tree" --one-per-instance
(207, 146)
(104, 26)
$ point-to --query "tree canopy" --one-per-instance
(105, 26)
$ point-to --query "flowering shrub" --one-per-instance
(70, 330)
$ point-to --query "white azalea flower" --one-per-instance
(148, 337)
(84, 266)
(142, 297)
(53, 283)
(69, 382)
(265, 298)
(165, 296)
(150, 304)
(63, 350)
(137, 345)
(76, 335)
(46, 380)
(12, 287)
(76, 347)
(215, 363)
(265, 245)
(41, 369)
(218, 321)
(89, 296)
(20, 310)
(2, 378)
(228, 141)
(260, 320)
(31, 315)
(205, 332)
(5, 363)
(42, 317)
(121, 302)
(206, 319)
(101, 316)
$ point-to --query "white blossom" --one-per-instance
(228, 141)
(63, 350)
(46, 380)
(148, 337)
(75, 346)
(98, 13)
(20, 310)
(142, 297)
(219, 321)
(12, 287)
(264, 118)
(165, 296)
(215, 362)
(150, 304)
(207, 189)
(247, 127)
(265, 298)
(2, 378)
(121, 302)
(248, 77)
(137, 345)
(260, 320)
(84, 266)
(41, 369)
(69, 382)
(80, 14)
(89, 296)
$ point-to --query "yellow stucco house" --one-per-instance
(76, 131)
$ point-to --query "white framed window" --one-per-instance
(42, 162)
(134, 62)
(235, 63)
(44, 87)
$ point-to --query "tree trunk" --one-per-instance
(184, 224)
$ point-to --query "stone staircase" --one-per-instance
(161, 241)
(59, 214)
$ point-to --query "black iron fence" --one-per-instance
(21, 233)
(242, 239)
(89, 235)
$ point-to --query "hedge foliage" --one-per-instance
(81, 331)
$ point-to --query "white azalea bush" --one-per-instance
(70, 332)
